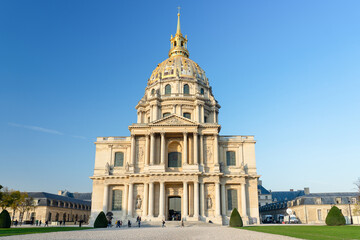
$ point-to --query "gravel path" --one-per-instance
(154, 233)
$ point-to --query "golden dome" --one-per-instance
(177, 66)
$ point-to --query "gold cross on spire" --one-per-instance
(178, 9)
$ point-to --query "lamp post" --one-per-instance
(351, 219)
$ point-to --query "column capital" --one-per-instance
(195, 133)
(185, 133)
(162, 133)
(132, 135)
(152, 133)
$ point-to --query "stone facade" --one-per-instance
(175, 151)
(54, 208)
(313, 208)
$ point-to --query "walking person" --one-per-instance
(40, 223)
(163, 223)
(46, 223)
(182, 222)
(139, 221)
(129, 223)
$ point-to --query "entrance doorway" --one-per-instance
(174, 208)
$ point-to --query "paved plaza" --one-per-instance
(151, 232)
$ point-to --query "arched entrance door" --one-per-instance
(174, 208)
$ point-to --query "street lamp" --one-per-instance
(351, 219)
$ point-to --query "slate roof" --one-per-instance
(44, 196)
(286, 195)
(328, 198)
(263, 190)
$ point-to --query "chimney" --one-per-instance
(260, 182)
(59, 192)
(291, 190)
(307, 191)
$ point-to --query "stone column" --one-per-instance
(152, 148)
(202, 113)
(201, 149)
(223, 200)
(217, 199)
(125, 200)
(130, 199)
(243, 201)
(202, 199)
(133, 149)
(185, 200)
(162, 201)
(185, 149)
(196, 200)
(196, 152)
(162, 157)
(216, 149)
(180, 110)
(197, 113)
(145, 200)
(138, 117)
(151, 199)
(215, 115)
(146, 150)
(106, 198)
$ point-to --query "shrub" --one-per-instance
(235, 219)
(5, 220)
(335, 217)
(101, 221)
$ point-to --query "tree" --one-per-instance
(26, 204)
(14, 200)
(357, 204)
(235, 219)
(101, 221)
(5, 221)
(335, 217)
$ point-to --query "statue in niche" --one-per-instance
(127, 166)
(208, 154)
(209, 202)
(107, 168)
(138, 202)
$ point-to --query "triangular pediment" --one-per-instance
(174, 120)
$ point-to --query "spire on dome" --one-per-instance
(178, 31)
(178, 42)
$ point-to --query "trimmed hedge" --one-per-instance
(235, 219)
(101, 221)
(335, 217)
(5, 220)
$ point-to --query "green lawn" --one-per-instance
(311, 232)
(30, 230)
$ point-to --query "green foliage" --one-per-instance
(5, 221)
(235, 219)
(335, 217)
(101, 221)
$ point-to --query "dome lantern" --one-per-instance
(178, 43)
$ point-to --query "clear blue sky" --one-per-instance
(285, 71)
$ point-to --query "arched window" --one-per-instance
(166, 114)
(174, 156)
(153, 92)
(167, 89)
(202, 91)
(186, 89)
(187, 115)
(119, 159)
(230, 158)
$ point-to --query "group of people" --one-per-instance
(37, 223)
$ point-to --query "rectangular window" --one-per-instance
(119, 159)
(116, 200)
(232, 199)
(319, 214)
(187, 115)
(230, 158)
